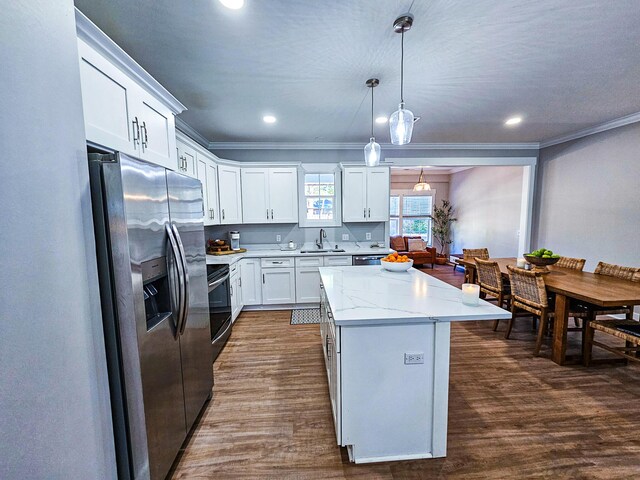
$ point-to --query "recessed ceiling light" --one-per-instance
(381, 120)
(233, 4)
(269, 119)
(513, 121)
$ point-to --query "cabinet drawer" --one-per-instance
(233, 269)
(340, 261)
(308, 261)
(277, 262)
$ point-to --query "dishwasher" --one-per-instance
(367, 259)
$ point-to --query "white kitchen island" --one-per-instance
(386, 344)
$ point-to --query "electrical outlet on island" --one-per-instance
(367, 236)
(345, 237)
(278, 238)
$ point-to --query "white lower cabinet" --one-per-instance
(331, 348)
(235, 282)
(307, 285)
(251, 276)
(278, 285)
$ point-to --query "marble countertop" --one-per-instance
(275, 251)
(367, 295)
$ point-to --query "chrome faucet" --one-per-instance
(320, 241)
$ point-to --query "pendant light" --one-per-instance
(421, 186)
(401, 121)
(372, 149)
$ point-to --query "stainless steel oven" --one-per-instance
(219, 306)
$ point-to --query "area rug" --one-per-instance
(305, 316)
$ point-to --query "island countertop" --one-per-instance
(368, 295)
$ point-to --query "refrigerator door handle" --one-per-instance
(179, 266)
(183, 256)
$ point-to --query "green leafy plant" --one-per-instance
(442, 220)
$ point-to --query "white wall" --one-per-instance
(487, 204)
(54, 404)
(588, 198)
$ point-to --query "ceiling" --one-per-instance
(563, 65)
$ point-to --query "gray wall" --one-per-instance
(588, 198)
(487, 204)
(54, 403)
(266, 234)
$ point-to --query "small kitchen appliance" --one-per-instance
(234, 240)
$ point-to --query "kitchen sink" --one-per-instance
(336, 250)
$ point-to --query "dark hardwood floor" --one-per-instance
(511, 415)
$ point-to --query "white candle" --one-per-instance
(470, 294)
(521, 262)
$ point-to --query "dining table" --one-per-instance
(566, 284)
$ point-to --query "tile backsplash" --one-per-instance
(266, 234)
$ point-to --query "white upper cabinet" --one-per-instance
(125, 108)
(365, 194)
(197, 162)
(105, 100)
(283, 195)
(354, 193)
(187, 160)
(229, 193)
(212, 214)
(378, 194)
(255, 195)
(270, 195)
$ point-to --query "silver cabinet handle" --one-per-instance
(263, 278)
(267, 214)
(240, 282)
(136, 130)
(276, 263)
(231, 287)
(145, 142)
(272, 214)
(223, 213)
(369, 213)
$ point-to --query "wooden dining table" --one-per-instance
(566, 284)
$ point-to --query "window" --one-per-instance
(411, 215)
(320, 195)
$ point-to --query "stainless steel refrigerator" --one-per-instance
(153, 280)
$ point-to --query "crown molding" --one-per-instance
(360, 146)
(191, 132)
(89, 32)
(603, 127)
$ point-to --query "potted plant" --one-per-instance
(442, 219)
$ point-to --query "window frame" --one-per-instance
(320, 169)
(400, 217)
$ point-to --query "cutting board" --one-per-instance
(228, 252)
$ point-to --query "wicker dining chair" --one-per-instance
(492, 284)
(471, 253)
(529, 294)
(572, 263)
(613, 327)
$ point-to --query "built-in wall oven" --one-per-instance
(219, 306)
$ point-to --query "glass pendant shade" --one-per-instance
(401, 126)
(421, 186)
(372, 153)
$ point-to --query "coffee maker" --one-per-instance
(234, 240)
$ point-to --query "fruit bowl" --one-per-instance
(539, 263)
(397, 266)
